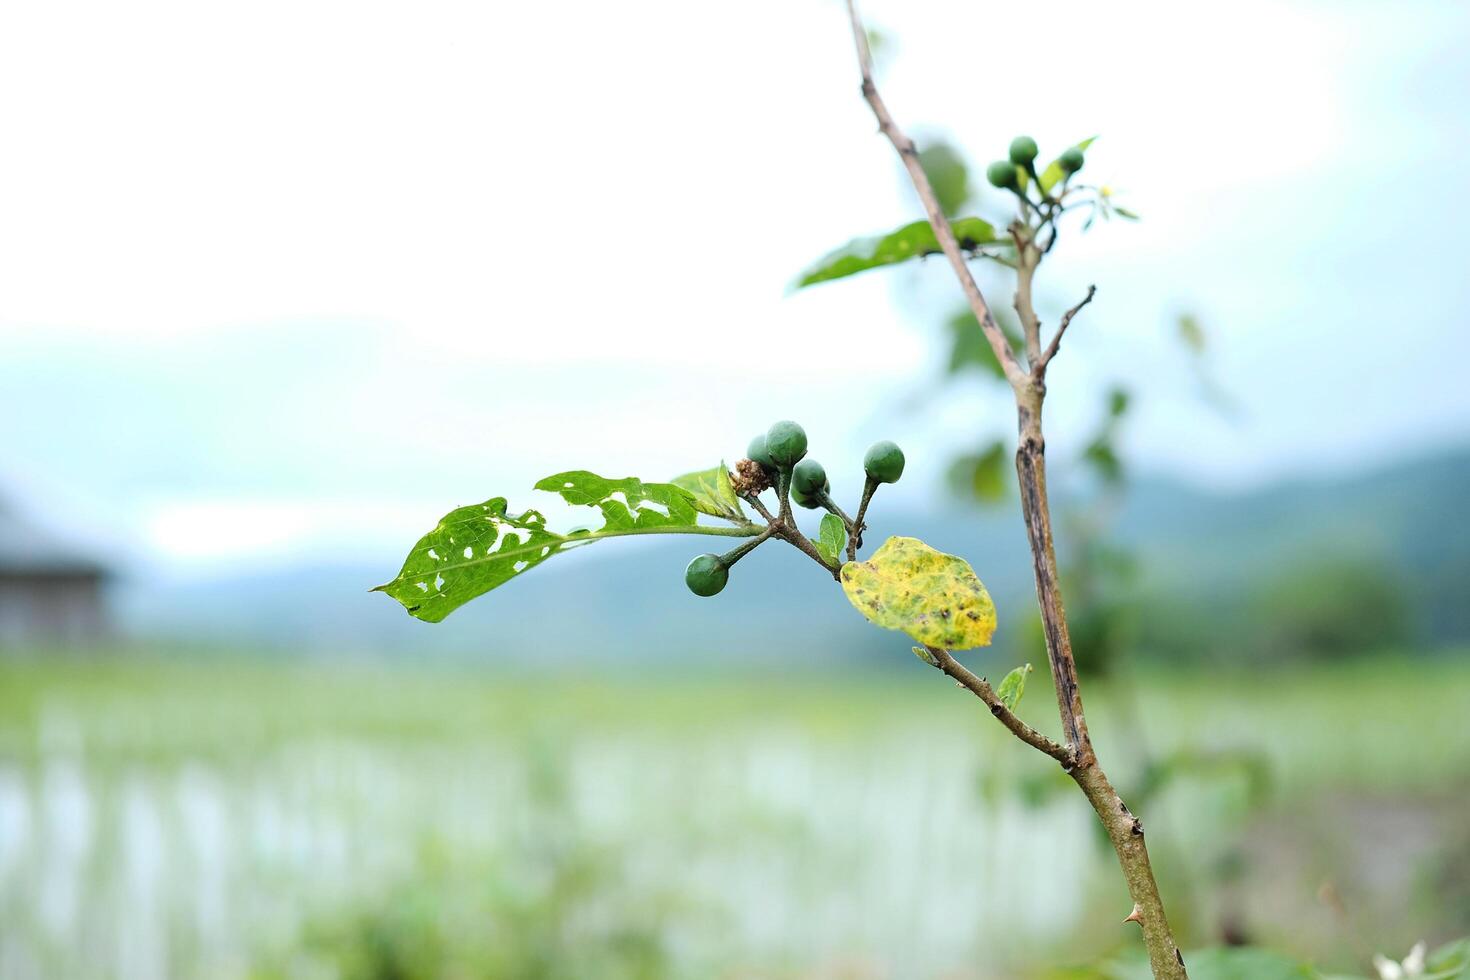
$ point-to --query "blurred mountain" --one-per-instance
(1205, 560)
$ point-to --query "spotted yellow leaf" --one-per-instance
(933, 597)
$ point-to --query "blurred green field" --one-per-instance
(224, 816)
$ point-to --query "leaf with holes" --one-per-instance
(712, 493)
(831, 538)
(1013, 686)
(1054, 173)
(933, 597)
(912, 241)
(480, 547)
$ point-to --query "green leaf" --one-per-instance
(1104, 459)
(1192, 333)
(1450, 960)
(831, 537)
(948, 175)
(923, 654)
(970, 349)
(1221, 963)
(912, 241)
(933, 597)
(983, 475)
(1013, 686)
(1054, 173)
(480, 547)
(712, 493)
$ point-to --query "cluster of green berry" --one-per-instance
(1008, 174)
(780, 455)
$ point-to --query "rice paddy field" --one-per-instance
(231, 817)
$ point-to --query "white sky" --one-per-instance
(292, 279)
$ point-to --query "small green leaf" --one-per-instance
(1013, 686)
(480, 547)
(712, 493)
(970, 349)
(933, 597)
(912, 241)
(831, 537)
(984, 475)
(948, 175)
(1104, 459)
(923, 654)
(1054, 173)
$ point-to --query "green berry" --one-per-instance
(786, 444)
(757, 451)
(808, 477)
(809, 499)
(1002, 173)
(706, 575)
(1071, 161)
(884, 462)
(1023, 151)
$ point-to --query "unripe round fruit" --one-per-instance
(809, 499)
(1071, 161)
(884, 462)
(808, 477)
(1002, 174)
(706, 575)
(786, 444)
(757, 451)
(1023, 150)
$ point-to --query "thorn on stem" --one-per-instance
(1134, 916)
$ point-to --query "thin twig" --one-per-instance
(981, 688)
(855, 540)
(943, 233)
(760, 508)
(1056, 340)
(790, 533)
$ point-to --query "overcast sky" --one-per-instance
(290, 279)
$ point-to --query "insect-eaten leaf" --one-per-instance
(831, 538)
(1054, 173)
(912, 241)
(1013, 686)
(933, 597)
(477, 548)
(712, 493)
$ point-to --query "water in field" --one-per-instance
(167, 822)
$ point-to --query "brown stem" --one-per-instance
(1056, 340)
(855, 541)
(1123, 829)
(943, 233)
(1125, 833)
(981, 688)
(1031, 472)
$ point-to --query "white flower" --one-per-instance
(1411, 965)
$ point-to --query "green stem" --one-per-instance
(746, 547)
(744, 531)
(855, 536)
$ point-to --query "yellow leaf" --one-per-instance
(933, 597)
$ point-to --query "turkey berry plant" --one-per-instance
(904, 584)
